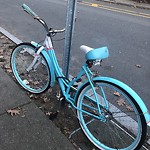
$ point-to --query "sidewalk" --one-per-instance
(29, 130)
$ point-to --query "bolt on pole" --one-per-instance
(70, 23)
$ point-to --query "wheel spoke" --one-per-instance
(123, 128)
(31, 71)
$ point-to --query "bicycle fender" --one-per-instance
(138, 100)
(52, 72)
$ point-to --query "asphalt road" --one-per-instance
(127, 37)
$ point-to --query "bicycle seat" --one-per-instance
(95, 54)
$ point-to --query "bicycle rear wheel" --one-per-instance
(122, 125)
(35, 80)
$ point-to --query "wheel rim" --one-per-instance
(20, 61)
(104, 143)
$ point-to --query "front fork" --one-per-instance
(37, 59)
(34, 65)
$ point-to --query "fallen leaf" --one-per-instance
(121, 102)
(22, 112)
(138, 66)
(2, 59)
(129, 107)
(94, 112)
(41, 107)
(7, 66)
(9, 70)
(52, 115)
(25, 82)
(117, 94)
(2, 37)
(31, 96)
(13, 112)
(36, 82)
(50, 90)
(66, 130)
(45, 99)
(36, 97)
(1, 51)
(48, 113)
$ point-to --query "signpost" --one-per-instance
(70, 23)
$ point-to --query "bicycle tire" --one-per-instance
(36, 80)
(124, 127)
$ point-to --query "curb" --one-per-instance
(122, 10)
(10, 36)
(121, 3)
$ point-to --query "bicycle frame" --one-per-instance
(66, 85)
(56, 73)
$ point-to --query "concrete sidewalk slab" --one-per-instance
(11, 95)
(31, 132)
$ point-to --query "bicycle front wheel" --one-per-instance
(121, 124)
(35, 79)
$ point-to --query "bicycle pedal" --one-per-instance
(75, 86)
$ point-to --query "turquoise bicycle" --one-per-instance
(111, 114)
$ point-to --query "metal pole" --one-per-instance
(70, 21)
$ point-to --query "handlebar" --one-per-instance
(35, 16)
(57, 31)
(29, 11)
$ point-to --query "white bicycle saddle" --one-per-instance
(95, 54)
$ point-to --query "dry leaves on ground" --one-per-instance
(66, 130)
(117, 94)
(52, 115)
(18, 111)
(129, 107)
(121, 102)
(138, 66)
(13, 112)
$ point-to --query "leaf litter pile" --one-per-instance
(62, 116)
